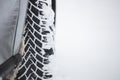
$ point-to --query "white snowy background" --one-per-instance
(87, 40)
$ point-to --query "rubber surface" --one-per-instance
(39, 41)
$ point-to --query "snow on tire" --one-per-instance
(39, 40)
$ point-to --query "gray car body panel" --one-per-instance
(12, 16)
(20, 26)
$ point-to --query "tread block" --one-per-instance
(29, 27)
(23, 78)
(29, 13)
(30, 35)
(28, 63)
(31, 43)
(37, 35)
(26, 47)
(33, 2)
(29, 20)
(38, 50)
(21, 71)
(36, 20)
(40, 65)
(28, 72)
(39, 72)
(38, 43)
(27, 55)
(33, 59)
(34, 10)
(32, 51)
(39, 58)
(36, 27)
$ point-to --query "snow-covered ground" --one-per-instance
(88, 40)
